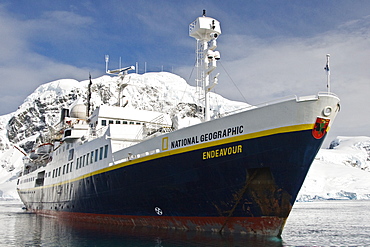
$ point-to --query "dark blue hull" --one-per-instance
(228, 186)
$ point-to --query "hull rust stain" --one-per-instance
(265, 225)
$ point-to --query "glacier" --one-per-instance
(340, 172)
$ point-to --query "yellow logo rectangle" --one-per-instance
(165, 143)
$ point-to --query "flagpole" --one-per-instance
(327, 69)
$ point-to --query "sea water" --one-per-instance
(327, 223)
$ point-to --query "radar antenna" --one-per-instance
(121, 73)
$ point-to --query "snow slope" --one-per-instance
(341, 172)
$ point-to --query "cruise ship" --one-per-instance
(236, 173)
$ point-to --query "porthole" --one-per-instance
(327, 111)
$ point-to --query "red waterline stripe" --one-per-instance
(265, 225)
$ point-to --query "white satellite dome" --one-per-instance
(78, 110)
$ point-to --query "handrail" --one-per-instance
(280, 100)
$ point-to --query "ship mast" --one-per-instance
(327, 69)
(206, 31)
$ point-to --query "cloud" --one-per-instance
(21, 68)
(59, 26)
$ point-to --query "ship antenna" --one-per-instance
(89, 97)
(106, 63)
(327, 69)
(206, 31)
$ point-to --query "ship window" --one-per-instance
(132, 123)
(83, 160)
(78, 161)
(104, 122)
(101, 153)
(53, 173)
(96, 155)
(124, 122)
(138, 123)
(92, 157)
(70, 169)
(64, 169)
(105, 151)
(87, 158)
(60, 168)
(49, 174)
(67, 168)
(118, 122)
(67, 132)
(70, 155)
(110, 121)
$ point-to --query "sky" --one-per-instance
(269, 49)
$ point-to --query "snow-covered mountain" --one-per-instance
(35, 118)
(341, 172)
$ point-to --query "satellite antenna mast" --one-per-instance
(206, 31)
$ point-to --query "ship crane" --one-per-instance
(206, 31)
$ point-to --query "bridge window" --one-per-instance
(70, 154)
(105, 151)
(101, 153)
(83, 160)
